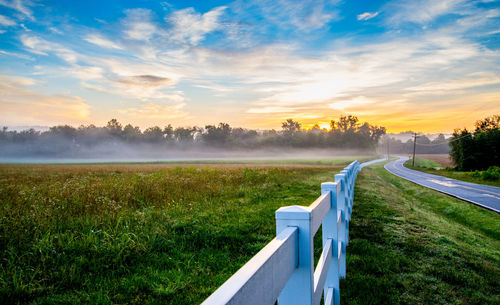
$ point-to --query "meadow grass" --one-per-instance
(137, 234)
(431, 167)
(167, 234)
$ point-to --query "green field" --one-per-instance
(168, 234)
(137, 233)
(429, 166)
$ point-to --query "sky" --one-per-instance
(428, 66)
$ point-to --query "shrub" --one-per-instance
(492, 173)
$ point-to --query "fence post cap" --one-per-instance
(293, 212)
(328, 185)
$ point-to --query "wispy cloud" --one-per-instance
(477, 80)
(191, 27)
(20, 104)
(422, 12)
(304, 16)
(346, 104)
(367, 16)
(41, 46)
(6, 21)
(152, 111)
(20, 6)
(102, 42)
(139, 25)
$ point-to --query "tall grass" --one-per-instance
(137, 234)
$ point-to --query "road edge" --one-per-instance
(441, 191)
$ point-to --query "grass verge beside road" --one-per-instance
(412, 245)
(430, 167)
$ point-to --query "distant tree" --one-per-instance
(114, 128)
(478, 150)
(217, 135)
(184, 135)
(348, 124)
(290, 126)
(333, 126)
(64, 131)
(376, 132)
(131, 133)
(168, 132)
(154, 135)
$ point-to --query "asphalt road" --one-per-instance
(372, 162)
(482, 195)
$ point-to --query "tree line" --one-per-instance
(479, 149)
(345, 133)
(440, 145)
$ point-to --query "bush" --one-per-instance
(492, 173)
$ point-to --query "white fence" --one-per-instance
(284, 269)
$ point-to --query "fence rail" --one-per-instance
(284, 269)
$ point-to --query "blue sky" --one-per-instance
(423, 65)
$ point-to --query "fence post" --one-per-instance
(329, 228)
(299, 289)
(341, 205)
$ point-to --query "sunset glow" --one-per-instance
(428, 66)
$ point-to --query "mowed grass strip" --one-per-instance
(137, 234)
(412, 245)
(431, 167)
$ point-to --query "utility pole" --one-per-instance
(387, 148)
(414, 147)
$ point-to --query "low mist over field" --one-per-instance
(116, 143)
(122, 152)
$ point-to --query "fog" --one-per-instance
(115, 143)
(124, 152)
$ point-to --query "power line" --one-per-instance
(452, 140)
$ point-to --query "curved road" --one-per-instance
(483, 195)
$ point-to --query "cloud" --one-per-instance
(345, 104)
(86, 73)
(55, 30)
(102, 42)
(20, 6)
(422, 12)
(15, 54)
(367, 16)
(19, 104)
(272, 109)
(145, 81)
(304, 15)
(139, 25)
(40, 46)
(6, 21)
(148, 110)
(191, 27)
(285, 81)
(443, 87)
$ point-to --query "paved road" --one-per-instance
(372, 162)
(482, 195)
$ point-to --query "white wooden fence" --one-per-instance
(284, 269)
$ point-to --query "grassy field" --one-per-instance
(429, 166)
(137, 233)
(132, 234)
